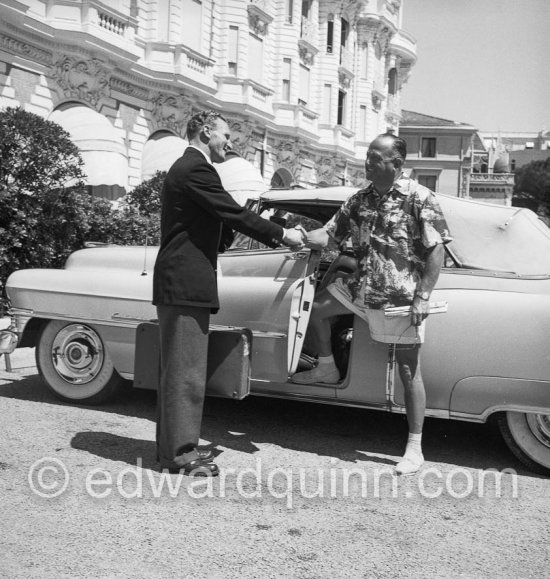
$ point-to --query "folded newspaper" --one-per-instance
(435, 308)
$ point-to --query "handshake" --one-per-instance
(295, 238)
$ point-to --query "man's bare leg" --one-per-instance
(408, 362)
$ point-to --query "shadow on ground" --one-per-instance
(349, 434)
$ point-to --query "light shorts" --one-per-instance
(388, 329)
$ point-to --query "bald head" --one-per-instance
(385, 159)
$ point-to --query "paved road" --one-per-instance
(306, 491)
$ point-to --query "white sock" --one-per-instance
(327, 360)
(414, 444)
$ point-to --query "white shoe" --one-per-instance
(320, 374)
(409, 464)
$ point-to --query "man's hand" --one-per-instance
(294, 237)
(420, 310)
(317, 239)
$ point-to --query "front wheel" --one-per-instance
(528, 437)
(75, 365)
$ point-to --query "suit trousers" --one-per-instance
(180, 399)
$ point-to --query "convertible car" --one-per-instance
(486, 355)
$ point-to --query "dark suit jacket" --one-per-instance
(194, 207)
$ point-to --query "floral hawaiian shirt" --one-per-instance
(390, 237)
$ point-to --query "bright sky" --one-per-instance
(481, 62)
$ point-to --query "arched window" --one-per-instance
(282, 179)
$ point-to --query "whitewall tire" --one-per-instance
(74, 363)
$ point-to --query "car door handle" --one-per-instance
(298, 255)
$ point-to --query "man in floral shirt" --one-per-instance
(397, 232)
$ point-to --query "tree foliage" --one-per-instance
(36, 155)
(532, 187)
(146, 196)
(45, 211)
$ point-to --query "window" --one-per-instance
(330, 33)
(233, 50)
(429, 181)
(341, 108)
(304, 85)
(289, 10)
(192, 24)
(364, 60)
(306, 5)
(255, 58)
(428, 147)
(392, 81)
(362, 132)
(344, 31)
(327, 103)
(287, 64)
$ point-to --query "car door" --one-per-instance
(269, 291)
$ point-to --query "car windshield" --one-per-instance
(485, 236)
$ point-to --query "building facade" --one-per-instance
(516, 148)
(450, 157)
(305, 84)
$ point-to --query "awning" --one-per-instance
(241, 179)
(101, 146)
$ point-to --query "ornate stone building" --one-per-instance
(306, 84)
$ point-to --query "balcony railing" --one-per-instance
(507, 178)
(111, 24)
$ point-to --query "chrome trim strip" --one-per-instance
(492, 409)
(124, 321)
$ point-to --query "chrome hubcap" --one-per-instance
(540, 427)
(77, 354)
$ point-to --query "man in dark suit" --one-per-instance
(196, 215)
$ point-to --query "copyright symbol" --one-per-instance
(48, 477)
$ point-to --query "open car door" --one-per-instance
(270, 292)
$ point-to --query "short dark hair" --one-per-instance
(399, 145)
(199, 120)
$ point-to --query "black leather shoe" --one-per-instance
(195, 468)
(204, 453)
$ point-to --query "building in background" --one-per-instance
(517, 149)
(305, 84)
(450, 157)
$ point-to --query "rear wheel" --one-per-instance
(528, 437)
(75, 365)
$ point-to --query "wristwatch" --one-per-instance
(425, 296)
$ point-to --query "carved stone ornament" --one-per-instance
(129, 88)
(171, 112)
(85, 79)
(344, 79)
(356, 176)
(241, 133)
(376, 101)
(326, 167)
(257, 25)
(404, 73)
(15, 46)
(306, 55)
(288, 156)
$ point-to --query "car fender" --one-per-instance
(477, 397)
